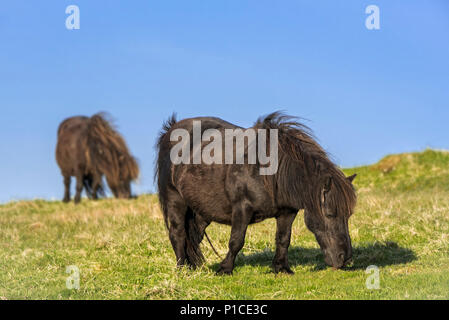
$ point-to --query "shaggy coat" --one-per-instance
(192, 196)
(90, 148)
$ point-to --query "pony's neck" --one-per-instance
(297, 186)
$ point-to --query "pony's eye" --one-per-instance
(331, 215)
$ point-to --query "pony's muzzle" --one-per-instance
(339, 261)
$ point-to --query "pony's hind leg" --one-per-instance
(67, 180)
(283, 234)
(176, 214)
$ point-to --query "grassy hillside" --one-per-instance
(122, 250)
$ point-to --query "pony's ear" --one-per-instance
(351, 178)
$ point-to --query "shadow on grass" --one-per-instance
(379, 254)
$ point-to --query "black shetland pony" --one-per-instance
(89, 148)
(194, 195)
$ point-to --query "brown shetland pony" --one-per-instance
(89, 148)
(194, 195)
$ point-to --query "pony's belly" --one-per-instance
(226, 218)
(221, 219)
(212, 206)
(261, 216)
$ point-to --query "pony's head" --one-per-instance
(128, 171)
(308, 179)
(329, 220)
(120, 183)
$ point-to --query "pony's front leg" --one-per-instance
(67, 179)
(240, 221)
(79, 188)
(96, 184)
(283, 235)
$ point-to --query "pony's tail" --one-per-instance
(162, 152)
(162, 166)
(162, 171)
(166, 126)
(193, 239)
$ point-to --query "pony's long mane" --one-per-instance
(303, 165)
(108, 152)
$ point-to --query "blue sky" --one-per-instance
(366, 93)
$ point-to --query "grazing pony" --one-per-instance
(194, 195)
(89, 148)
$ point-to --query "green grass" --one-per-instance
(122, 249)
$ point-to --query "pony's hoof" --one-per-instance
(223, 272)
(285, 270)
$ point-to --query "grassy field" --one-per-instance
(122, 249)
